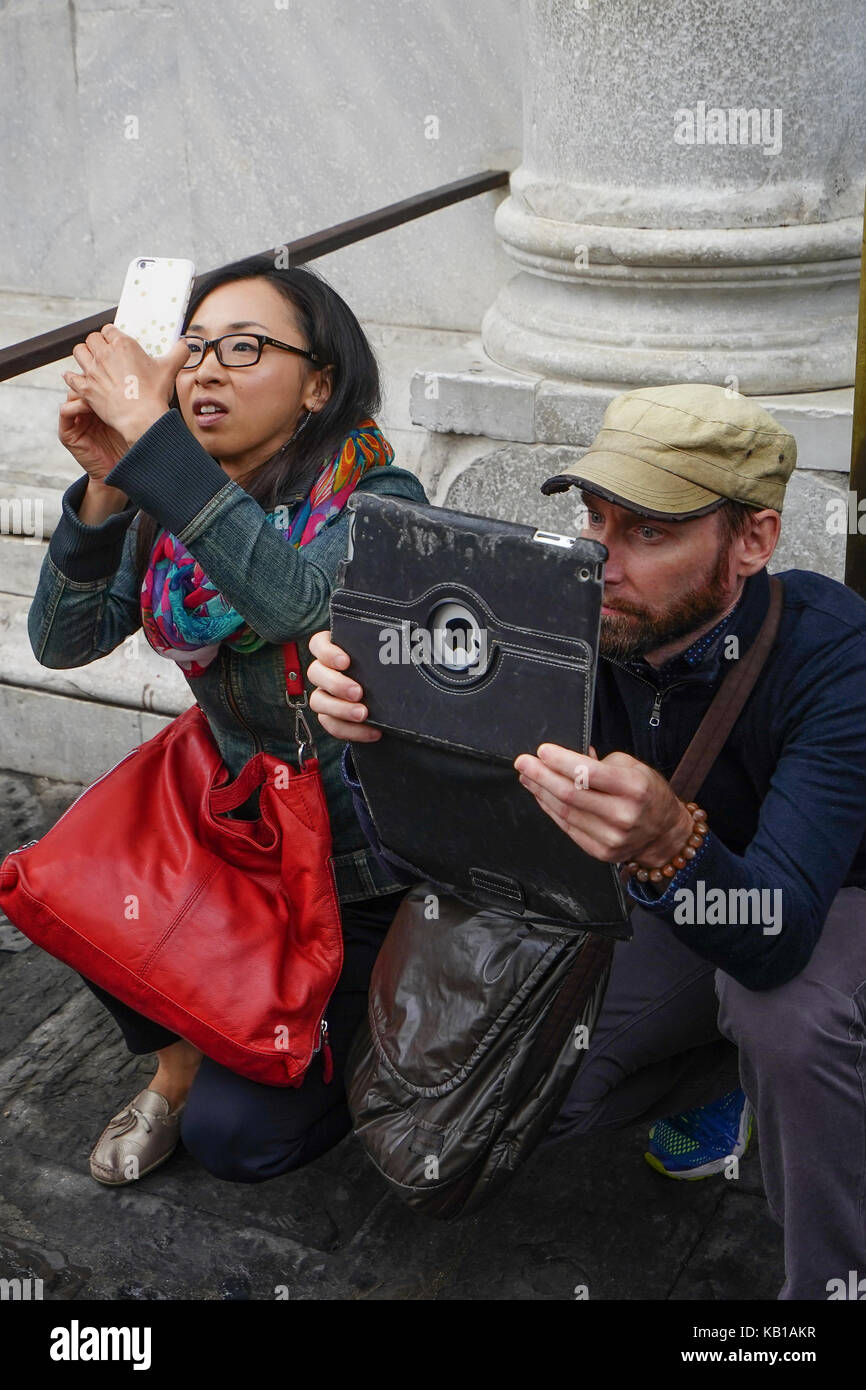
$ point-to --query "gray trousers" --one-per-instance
(660, 1047)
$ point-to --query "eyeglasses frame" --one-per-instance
(261, 338)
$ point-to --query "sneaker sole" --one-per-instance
(716, 1165)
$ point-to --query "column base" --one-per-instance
(544, 426)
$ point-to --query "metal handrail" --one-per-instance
(59, 342)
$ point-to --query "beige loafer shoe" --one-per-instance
(136, 1140)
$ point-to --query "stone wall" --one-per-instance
(219, 128)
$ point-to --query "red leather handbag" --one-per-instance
(226, 931)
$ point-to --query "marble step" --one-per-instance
(20, 563)
(72, 724)
(66, 739)
(132, 676)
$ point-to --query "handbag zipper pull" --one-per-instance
(655, 719)
(327, 1055)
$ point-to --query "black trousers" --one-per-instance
(243, 1131)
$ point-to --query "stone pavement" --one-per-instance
(589, 1212)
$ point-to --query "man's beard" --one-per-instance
(638, 634)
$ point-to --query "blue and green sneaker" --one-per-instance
(698, 1142)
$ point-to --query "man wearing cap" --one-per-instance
(758, 937)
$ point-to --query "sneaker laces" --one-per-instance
(704, 1122)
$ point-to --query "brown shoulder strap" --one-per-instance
(722, 715)
(593, 961)
(729, 699)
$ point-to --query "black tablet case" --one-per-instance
(441, 787)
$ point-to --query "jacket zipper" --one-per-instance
(233, 704)
(226, 660)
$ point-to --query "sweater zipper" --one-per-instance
(658, 695)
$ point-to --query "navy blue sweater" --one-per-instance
(786, 798)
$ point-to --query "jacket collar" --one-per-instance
(702, 661)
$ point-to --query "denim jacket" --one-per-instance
(87, 602)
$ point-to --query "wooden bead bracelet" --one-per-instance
(645, 874)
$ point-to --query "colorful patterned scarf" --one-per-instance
(185, 618)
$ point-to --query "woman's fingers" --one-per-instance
(83, 356)
(335, 699)
(323, 703)
(75, 417)
(345, 731)
(76, 383)
(328, 652)
(76, 406)
(342, 687)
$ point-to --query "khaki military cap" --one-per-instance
(673, 452)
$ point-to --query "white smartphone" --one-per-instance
(152, 306)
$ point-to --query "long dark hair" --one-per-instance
(334, 334)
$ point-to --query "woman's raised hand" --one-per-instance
(92, 443)
(126, 388)
(335, 699)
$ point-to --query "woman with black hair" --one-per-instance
(225, 474)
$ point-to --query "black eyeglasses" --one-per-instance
(236, 349)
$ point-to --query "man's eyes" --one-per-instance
(647, 533)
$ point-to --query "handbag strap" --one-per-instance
(296, 699)
(233, 794)
(292, 668)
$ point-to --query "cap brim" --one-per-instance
(630, 482)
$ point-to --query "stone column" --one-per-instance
(688, 206)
